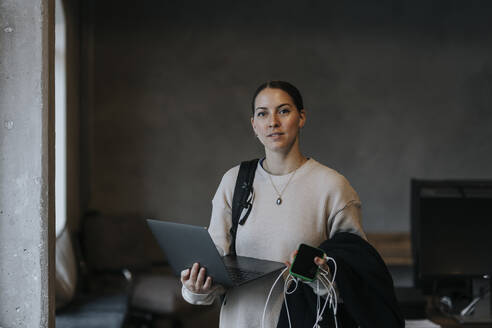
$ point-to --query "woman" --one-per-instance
(297, 200)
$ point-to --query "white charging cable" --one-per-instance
(268, 298)
(332, 294)
(323, 277)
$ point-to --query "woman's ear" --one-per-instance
(302, 120)
(253, 125)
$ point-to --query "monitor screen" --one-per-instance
(451, 229)
(456, 236)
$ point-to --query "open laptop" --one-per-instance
(186, 244)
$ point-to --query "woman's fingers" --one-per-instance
(189, 276)
(185, 275)
(322, 263)
(194, 272)
(208, 284)
(200, 279)
(319, 261)
(291, 258)
(195, 279)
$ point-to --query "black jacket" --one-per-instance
(364, 284)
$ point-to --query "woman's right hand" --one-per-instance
(195, 280)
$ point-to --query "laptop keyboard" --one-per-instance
(238, 275)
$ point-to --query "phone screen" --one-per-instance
(303, 266)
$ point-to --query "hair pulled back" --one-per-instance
(290, 89)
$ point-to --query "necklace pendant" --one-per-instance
(279, 201)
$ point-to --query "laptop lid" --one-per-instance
(186, 244)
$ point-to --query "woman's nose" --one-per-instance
(273, 121)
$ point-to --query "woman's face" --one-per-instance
(276, 119)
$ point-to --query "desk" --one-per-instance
(416, 306)
(445, 322)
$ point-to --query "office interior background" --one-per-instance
(158, 106)
(392, 91)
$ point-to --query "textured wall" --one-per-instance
(393, 90)
(26, 164)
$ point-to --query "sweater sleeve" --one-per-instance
(197, 299)
(220, 224)
(221, 221)
(344, 215)
(201, 299)
(344, 210)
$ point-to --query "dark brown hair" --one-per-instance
(290, 89)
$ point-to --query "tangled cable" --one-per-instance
(323, 276)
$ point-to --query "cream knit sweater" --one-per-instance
(317, 203)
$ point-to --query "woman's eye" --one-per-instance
(284, 111)
(260, 114)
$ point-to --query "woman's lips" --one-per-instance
(276, 134)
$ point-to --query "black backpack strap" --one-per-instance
(244, 187)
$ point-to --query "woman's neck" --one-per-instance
(283, 163)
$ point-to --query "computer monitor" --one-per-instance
(451, 225)
(451, 230)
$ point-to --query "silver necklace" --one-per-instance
(279, 194)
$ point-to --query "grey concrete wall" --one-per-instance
(393, 90)
(26, 164)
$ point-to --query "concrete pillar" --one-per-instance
(26, 163)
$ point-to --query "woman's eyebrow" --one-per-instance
(261, 107)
